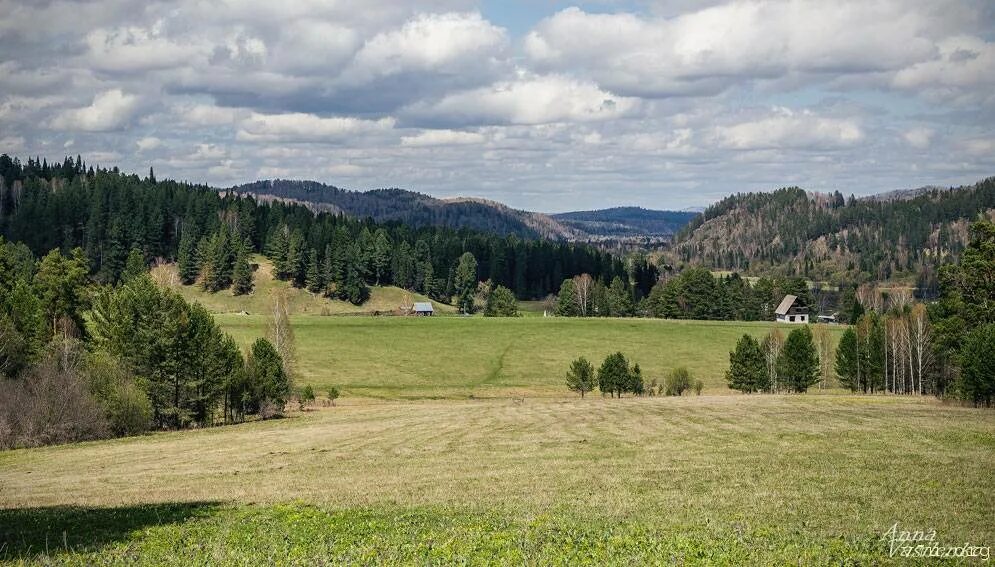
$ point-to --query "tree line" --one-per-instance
(210, 234)
(694, 293)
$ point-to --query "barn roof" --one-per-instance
(785, 305)
(422, 306)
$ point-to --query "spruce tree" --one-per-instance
(566, 301)
(614, 375)
(747, 366)
(798, 364)
(242, 272)
(186, 262)
(847, 362)
(465, 282)
(380, 260)
(313, 280)
(134, 266)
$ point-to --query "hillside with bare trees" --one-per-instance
(833, 238)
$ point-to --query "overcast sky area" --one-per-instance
(540, 104)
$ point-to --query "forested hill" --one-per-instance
(414, 209)
(622, 222)
(114, 217)
(829, 237)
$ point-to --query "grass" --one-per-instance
(457, 357)
(716, 479)
(300, 301)
(456, 442)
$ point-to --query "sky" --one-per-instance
(543, 105)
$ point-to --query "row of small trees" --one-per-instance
(616, 377)
(771, 367)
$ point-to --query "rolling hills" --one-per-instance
(417, 209)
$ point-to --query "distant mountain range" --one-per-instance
(621, 224)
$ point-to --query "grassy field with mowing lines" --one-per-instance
(457, 357)
(722, 479)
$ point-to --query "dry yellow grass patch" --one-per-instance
(837, 464)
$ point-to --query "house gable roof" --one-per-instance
(423, 306)
(785, 305)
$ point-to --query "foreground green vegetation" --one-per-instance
(727, 479)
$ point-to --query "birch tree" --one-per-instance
(583, 285)
(772, 345)
(921, 342)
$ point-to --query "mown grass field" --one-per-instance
(456, 441)
(458, 357)
(712, 479)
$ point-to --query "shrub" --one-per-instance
(306, 396)
(501, 303)
(678, 381)
(51, 404)
(124, 398)
(333, 394)
(698, 387)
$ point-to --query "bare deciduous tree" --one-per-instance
(583, 286)
(824, 344)
(772, 345)
(920, 340)
(280, 333)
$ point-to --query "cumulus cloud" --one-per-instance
(528, 100)
(110, 110)
(428, 43)
(148, 143)
(919, 137)
(672, 105)
(442, 138)
(300, 127)
(709, 50)
(784, 128)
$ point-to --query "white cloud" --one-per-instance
(135, 49)
(528, 100)
(963, 71)
(110, 110)
(785, 128)
(148, 143)
(708, 50)
(430, 42)
(300, 127)
(442, 138)
(919, 137)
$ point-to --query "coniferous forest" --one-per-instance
(209, 233)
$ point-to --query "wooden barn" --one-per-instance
(423, 309)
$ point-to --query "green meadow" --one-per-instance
(456, 441)
(459, 357)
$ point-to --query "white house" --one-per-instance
(790, 311)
